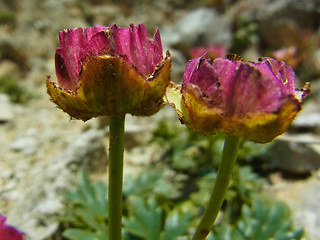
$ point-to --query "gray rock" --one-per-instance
(199, 27)
(26, 143)
(303, 199)
(307, 213)
(296, 153)
(6, 113)
(303, 12)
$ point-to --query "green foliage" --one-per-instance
(260, 222)
(188, 151)
(17, 94)
(151, 182)
(146, 218)
(245, 33)
(246, 184)
(185, 150)
(84, 234)
(244, 187)
(7, 17)
(159, 204)
(176, 224)
(205, 185)
(249, 151)
(146, 221)
(87, 211)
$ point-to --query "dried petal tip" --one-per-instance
(8, 232)
(301, 93)
(257, 101)
(234, 57)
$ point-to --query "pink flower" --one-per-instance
(289, 55)
(109, 71)
(257, 101)
(8, 232)
(212, 51)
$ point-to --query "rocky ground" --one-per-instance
(41, 150)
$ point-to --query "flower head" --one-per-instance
(257, 101)
(109, 71)
(8, 232)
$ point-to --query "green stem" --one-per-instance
(228, 161)
(116, 148)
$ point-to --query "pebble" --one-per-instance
(296, 153)
(303, 198)
(6, 113)
(27, 144)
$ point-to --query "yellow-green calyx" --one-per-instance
(109, 86)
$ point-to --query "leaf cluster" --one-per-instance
(147, 205)
(261, 221)
(86, 211)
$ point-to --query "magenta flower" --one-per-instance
(212, 51)
(257, 101)
(109, 71)
(289, 55)
(8, 232)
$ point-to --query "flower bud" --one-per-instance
(257, 101)
(109, 71)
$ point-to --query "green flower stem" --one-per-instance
(116, 148)
(228, 161)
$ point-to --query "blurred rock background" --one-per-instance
(41, 149)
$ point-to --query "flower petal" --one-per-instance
(135, 44)
(98, 44)
(281, 72)
(200, 72)
(71, 41)
(68, 63)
